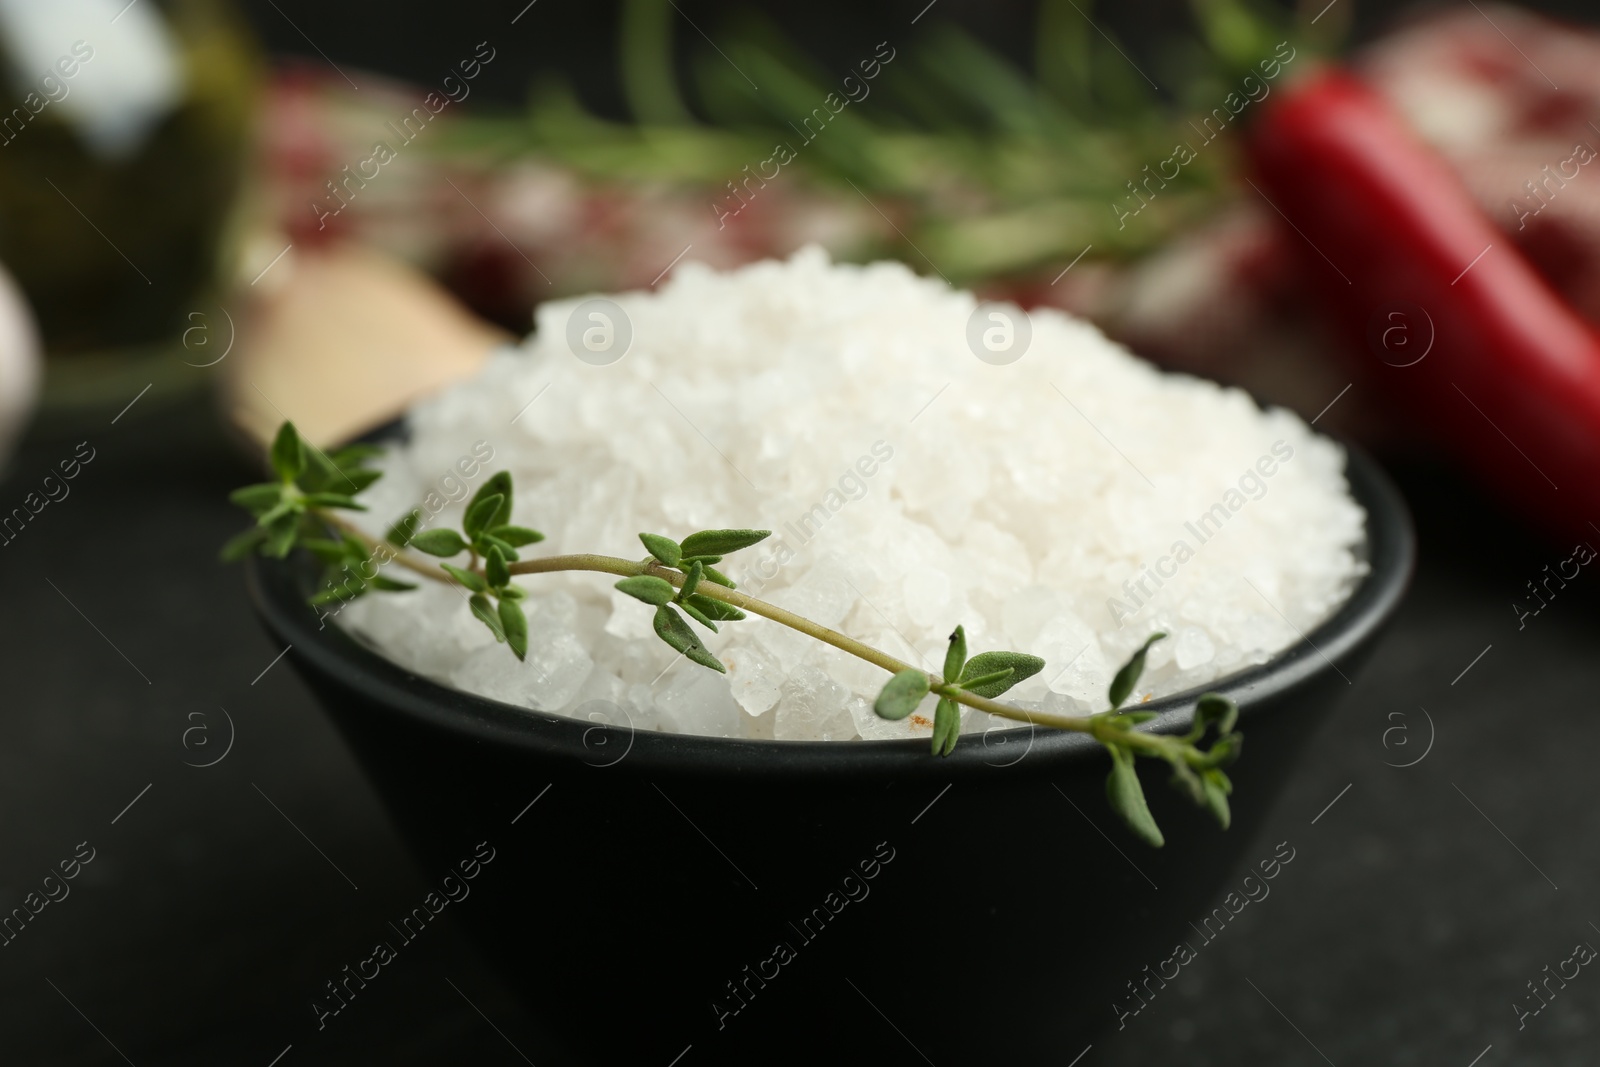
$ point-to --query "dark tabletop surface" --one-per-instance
(1420, 902)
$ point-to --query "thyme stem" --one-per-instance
(628, 568)
(410, 561)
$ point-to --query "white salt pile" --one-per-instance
(1066, 504)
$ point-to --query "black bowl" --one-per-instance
(753, 899)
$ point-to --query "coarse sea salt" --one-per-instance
(1067, 504)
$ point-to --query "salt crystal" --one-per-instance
(754, 678)
(640, 704)
(813, 707)
(1192, 648)
(491, 673)
(1075, 666)
(600, 687)
(927, 596)
(873, 728)
(698, 702)
(557, 663)
(1027, 611)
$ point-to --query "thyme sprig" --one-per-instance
(680, 578)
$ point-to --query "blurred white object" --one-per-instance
(113, 68)
(19, 365)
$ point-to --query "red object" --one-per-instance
(1509, 374)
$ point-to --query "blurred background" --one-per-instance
(215, 214)
(275, 183)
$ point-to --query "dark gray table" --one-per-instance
(1419, 903)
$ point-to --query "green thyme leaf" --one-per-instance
(357, 480)
(498, 484)
(722, 542)
(512, 592)
(281, 536)
(1213, 708)
(271, 517)
(699, 616)
(439, 542)
(1022, 666)
(242, 544)
(715, 609)
(1134, 718)
(648, 588)
(1217, 787)
(288, 454)
(515, 625)
(320, 473)
(326, 474)
(471, 579)
(685, 561)
(702, 655)
(258, 498)
(691, 579)
(714, 575)
(901, 695)
(352, 456)
(339, 593)
(489, 540)
(1128, 677)
(486, 614)
(327, 551)
(946, 727)
(955, 656)
(495, 570)
(998, 681)
(1225, 751)
(333, 500)
(515, 536)
(501, 482)
(1187, 782)
(664, 549)
(391, 585)
(1127, 797)
(483, 509)
(404, 528)
(671, 628)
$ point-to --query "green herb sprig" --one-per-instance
(987, 675)
(680, 578)
(307, 479)
(487, 533)
(693, 559)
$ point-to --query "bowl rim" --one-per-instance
(278, 589)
